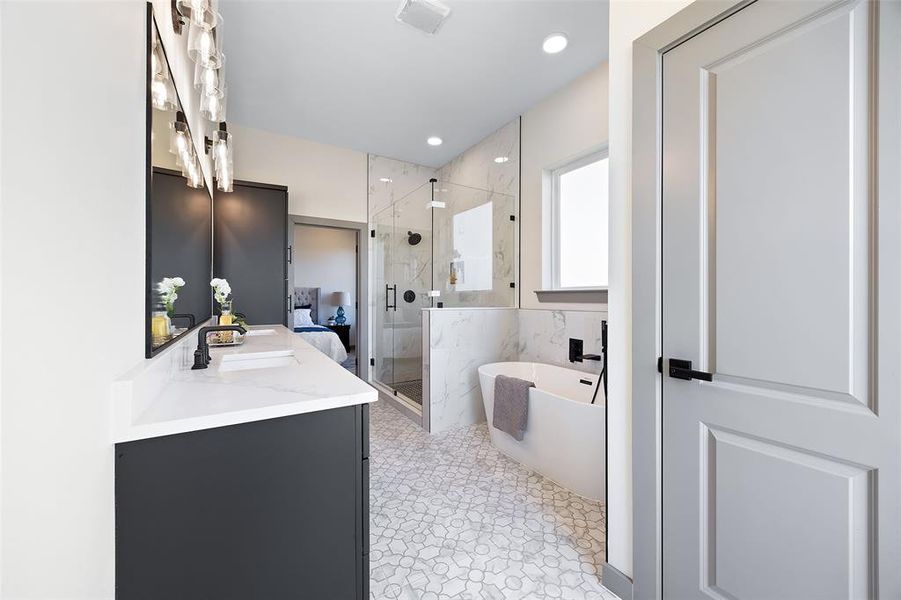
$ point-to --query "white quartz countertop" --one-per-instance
(275, 373)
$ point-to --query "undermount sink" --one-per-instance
(257, 360)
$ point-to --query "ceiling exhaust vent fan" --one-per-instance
(424, 15)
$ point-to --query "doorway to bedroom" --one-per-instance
(325, 287)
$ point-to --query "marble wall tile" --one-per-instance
(476, 166)
(544, 336)
(470, 180)
(461, 340)
(405, 177)
(503, 243)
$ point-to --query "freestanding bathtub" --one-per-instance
(564, 438)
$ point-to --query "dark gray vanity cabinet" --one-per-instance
(272, 509)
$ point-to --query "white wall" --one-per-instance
(326, 258)
(72, 158)
(323, 181)
(629, 19)
(565, 125)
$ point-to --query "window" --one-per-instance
(575, 217)
(471, 266)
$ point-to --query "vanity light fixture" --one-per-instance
(193, 174)
(162, 92)
(555, 43)
(221, 148)
(212, 107)
(197, 12)
(209, 81)
(182, 146)
(202, 46)
(180, 140)
(434, 141)
(501, 159)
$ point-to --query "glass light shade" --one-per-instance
(193, 174)
(222, 156)
(157, 64)
(199, 13)
(213, 107)
(180, 143)
(209, 81)
(202, 48)
(162, 93)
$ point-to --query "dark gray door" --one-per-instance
(250, 249)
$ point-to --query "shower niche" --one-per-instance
(440, 245)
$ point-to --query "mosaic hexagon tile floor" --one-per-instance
(452, 518)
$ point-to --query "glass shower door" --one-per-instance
(383, 351)
(413, 279)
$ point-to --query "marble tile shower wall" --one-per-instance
(503, 242)
(458, 341)
(477, 168)
(544, 336)
(486, 172)
(403, 178)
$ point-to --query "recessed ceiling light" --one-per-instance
(554, 43)
(385, 179)
(501, 159)
(435, 141)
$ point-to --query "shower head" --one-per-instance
(413, 238)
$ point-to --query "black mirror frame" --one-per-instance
(149, 351)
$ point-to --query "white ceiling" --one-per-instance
(348, 74)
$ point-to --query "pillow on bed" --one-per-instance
(302, 317)
(303, 306)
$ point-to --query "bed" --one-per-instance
(307, 324)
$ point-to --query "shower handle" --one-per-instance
(387, 288)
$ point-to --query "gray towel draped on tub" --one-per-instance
(511, 405)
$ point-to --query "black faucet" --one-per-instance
(202, 354)
(575, 352)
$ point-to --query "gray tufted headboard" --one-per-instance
(308, 295)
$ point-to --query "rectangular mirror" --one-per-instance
(179, 213)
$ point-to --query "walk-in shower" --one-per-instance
(441, 245)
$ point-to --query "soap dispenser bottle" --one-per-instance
(160, 326)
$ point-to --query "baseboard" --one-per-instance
(615, 581)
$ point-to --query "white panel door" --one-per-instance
(780, 279)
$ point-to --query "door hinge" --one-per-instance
(660, 365)
(372, 233)
(371, 362)
(512, 217)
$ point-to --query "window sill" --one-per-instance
(574, 295)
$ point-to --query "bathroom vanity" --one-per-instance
(248, 479)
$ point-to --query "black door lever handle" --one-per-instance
(681, 369)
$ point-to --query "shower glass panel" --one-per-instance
(452, 239)
(403, 275)
(383, 350)
(474, 247)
